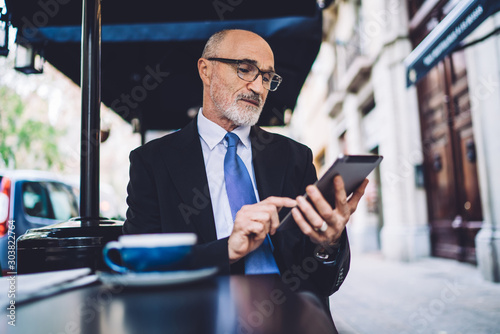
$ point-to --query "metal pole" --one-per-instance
(90, 84)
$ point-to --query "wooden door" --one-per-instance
(454, 204)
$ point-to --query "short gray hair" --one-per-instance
(213, 43)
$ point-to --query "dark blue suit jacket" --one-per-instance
(168, 192)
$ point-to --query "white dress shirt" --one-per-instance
(214, 150)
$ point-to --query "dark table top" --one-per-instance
(221, 304)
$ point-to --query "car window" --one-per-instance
(35, 200)
(51, 200)
(63, 202)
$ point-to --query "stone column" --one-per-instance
(363, 232)
(405, 234)
(483, 72)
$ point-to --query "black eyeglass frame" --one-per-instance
(277, 77)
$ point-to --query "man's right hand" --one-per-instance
(252, 224)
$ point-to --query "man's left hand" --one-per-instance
(322, 224)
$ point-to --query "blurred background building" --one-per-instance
(437, 191)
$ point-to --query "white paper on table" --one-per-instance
(38, 285)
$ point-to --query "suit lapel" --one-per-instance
(269, 154)
(184, 160)
(269, 162)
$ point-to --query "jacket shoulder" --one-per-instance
(169, 141)
(263, 137)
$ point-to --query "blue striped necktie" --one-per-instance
(240, 192)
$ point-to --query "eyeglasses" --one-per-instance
(249, 72)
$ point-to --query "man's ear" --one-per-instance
(204, 70)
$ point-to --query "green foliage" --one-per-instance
(21, 137)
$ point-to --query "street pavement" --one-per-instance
(431, 295)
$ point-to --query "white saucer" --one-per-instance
(150, 279)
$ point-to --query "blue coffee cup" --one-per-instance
(150, 252)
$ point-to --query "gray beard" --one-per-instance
(240, 116)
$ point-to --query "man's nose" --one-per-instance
(256, 86)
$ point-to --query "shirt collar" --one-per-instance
(213, 133)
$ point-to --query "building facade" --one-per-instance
(435, 189)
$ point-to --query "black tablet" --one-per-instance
(353, 169)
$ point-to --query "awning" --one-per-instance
(164, 40)
(446, 36)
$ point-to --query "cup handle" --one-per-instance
(105, 252)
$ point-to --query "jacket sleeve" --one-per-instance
(330, 274)
(143, 216)
(143, 213)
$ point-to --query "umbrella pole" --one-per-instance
(91, 101)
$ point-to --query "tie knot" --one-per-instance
(232, 139)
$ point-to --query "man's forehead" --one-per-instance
(264, 68)
(244, 45)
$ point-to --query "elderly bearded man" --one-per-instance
(182, 182)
